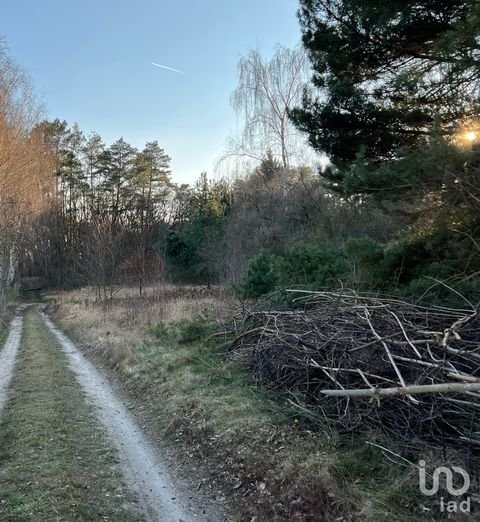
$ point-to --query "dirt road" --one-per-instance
(59, 409)
(8, 354)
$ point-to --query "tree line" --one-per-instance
(357, 163)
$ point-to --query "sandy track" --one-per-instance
(8, 354)
(145, 471)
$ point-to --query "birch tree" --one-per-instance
(267, 90)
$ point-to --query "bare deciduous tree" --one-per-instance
(266, 92)
(26, 171)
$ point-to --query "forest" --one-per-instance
(388, 204)
(342, 220)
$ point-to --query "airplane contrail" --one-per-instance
(168, 68)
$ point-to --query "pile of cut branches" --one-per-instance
(374, 362)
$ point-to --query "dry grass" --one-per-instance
(207, 407)
(248, 443)
(118, 327)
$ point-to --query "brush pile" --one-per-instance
(371, 362)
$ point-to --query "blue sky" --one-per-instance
(91, 63)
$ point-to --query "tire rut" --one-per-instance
(145, 471)
(8, 354)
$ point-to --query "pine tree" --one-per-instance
(92, 159)
(150, 184)
(388, 74)
(117, 166)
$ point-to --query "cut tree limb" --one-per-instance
(405, 390)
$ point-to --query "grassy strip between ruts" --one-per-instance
(55, 462)
(240, 440)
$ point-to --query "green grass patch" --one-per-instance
(388, 489)
(55, 462)
(185, 331)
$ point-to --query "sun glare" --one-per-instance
(470, 136)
